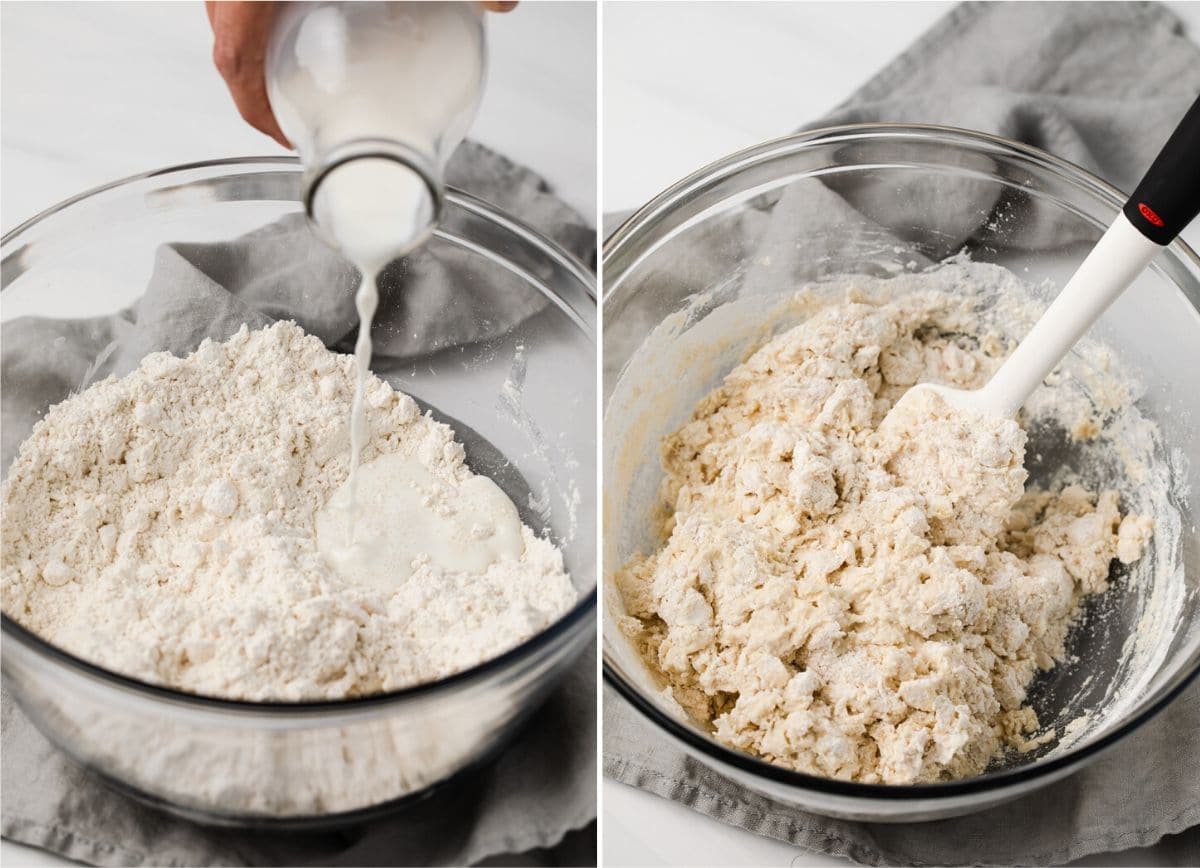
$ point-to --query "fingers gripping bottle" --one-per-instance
(375, 97)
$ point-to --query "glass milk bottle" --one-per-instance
(375, 96)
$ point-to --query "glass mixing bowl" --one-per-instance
(328, 762)
(699, 277)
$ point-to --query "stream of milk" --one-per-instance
(376, 210)
(374, 527)
(380, 78)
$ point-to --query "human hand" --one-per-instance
(240, 34)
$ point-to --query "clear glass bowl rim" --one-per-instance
(565, 625)
(728, 166)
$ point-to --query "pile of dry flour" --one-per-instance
(162, 526)
(855, 600)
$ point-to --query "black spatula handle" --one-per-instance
(1168, 198)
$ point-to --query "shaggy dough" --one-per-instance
(855, 600)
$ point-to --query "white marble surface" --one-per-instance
(93, 92)
(680, 91)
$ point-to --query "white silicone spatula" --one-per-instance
(1165, 201)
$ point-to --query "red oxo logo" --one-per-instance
(1148, 212)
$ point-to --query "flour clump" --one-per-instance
(163, 526)
(858, 600)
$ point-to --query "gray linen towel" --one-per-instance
(1060, 76)
(541, 787)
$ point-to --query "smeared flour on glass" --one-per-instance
(861, 601)
(164, 526)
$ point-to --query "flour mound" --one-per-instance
(856, 600)
(162, 526)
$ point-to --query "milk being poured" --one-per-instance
(374, 527)
(376, 210)
(375, 96)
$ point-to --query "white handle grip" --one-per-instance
(1119, 257)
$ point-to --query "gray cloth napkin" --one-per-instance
(1069, 78)
(541, 787)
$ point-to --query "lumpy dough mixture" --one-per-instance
(858, 600)
(163, 526)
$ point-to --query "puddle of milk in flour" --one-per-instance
(405, 511)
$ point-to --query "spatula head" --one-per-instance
(974, 400)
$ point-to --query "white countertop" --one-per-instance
(680, 91)
(93, 92)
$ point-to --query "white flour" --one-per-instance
(162, 526)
